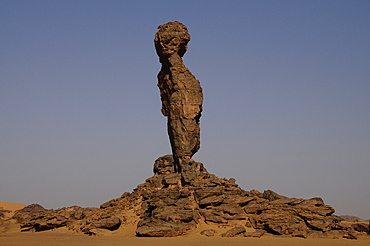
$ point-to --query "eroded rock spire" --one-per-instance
(172, 204)
(180, 91)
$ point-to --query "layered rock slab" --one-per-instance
(174, 204)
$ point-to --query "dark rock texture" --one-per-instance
(173, 204)
(36, 218)
(234, 231)
(351, 218)
(3, 212)
(180, 91)
(208, 233)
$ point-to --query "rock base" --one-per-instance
(174, 204)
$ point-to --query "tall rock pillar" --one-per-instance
(180, 91)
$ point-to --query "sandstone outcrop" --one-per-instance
(351, 218)
(180, 91)
(208, 232)
(35, 217)
(182, 194)
(171, 204)
(3, 212)
(234, 231)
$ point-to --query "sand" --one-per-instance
(64, 237)
(10, 234)
(11, 206)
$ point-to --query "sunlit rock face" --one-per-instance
(180, 91)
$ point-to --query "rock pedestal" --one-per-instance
(171, 204)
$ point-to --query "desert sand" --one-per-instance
(11, 206)
(64, 237)
(10, 234)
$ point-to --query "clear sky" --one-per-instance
(286, 97)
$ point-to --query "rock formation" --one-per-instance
(180, 91)
(165, 207)
(3, 212)
(182, 194)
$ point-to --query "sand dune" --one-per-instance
(11, 206)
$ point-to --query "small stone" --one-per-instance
(99, 232)
(234, 231)
(208, 233)
(253, 234)
(349, 236)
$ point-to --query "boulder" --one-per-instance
(253, 234)
(350, 235)
(234, 231)
(361, 227)
(272, 196)
(278, 222)
(39, 219)
(208, 233)
(99, 232)
(112, 223)
(149, 228)
(25, 213)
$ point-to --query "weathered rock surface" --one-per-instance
(208, 233)
(351, 218)
(35, 217)
(254, 234)
(180, 91)
(3, 212)
(234, 231)
(182, 194)
(38, 218)
(174, 204)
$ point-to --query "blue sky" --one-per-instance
(286, 97)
